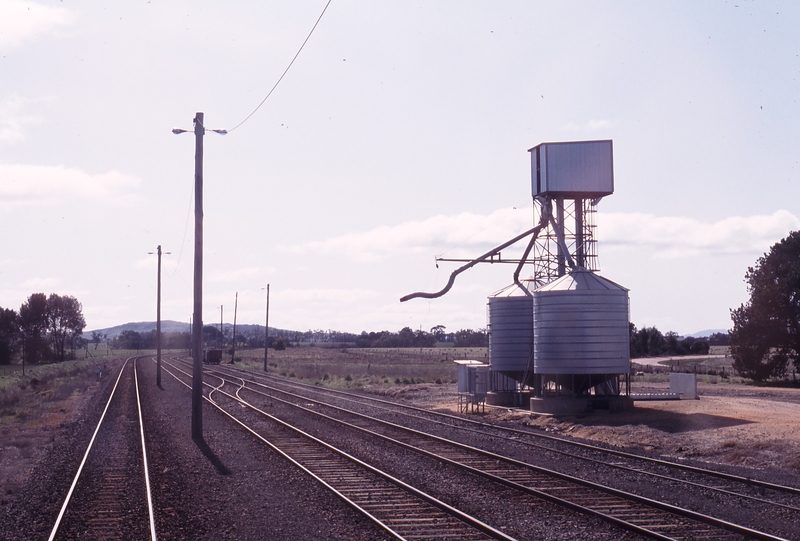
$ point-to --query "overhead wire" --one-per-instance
(284, 71)
(223, 132)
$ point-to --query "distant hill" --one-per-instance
(167, 326)
(140, 327)
(707, 332)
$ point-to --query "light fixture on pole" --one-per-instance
(197, 330)
(158, 319)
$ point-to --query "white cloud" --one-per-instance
(13, 118)
(452, 233)
(681, 236)
(33, 184)
(468, 235)
(40, 284)
(23, 20)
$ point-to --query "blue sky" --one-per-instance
(400, 133)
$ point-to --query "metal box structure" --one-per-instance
(575, 169)
(473, 384)
(684, 385)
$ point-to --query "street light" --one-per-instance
(158, 319)
(197, 330)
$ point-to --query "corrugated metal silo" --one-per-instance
(581, 326)
(510, 316)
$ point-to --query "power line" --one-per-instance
(286, 70)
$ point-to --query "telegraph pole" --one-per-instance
(197, 330)
(158, 319)
(158, 322)
(235, 309)
(266, 333)
(197, 327)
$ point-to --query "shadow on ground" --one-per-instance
(669, 422)
(221, 468)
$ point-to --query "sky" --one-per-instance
(400, 133)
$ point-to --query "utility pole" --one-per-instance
(158, 322)
(266, 333)
(235, 309)
(158, 319)
(197, 331)
(221, 337)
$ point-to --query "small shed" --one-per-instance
(473, 384)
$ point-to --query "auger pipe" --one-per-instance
(451, 281)
(524, 258)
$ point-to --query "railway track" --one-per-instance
(110, 497)
(400, 510)
(644, 515)
(745, 487)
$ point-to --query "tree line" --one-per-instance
(650, 342)
(44, 329)
(407, 338)
(253, 337)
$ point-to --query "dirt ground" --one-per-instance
(749, 426)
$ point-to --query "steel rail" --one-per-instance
(732, 479)
(150, 512)
(666, 463)
(90, 446)
(461, 462)
(476, 525)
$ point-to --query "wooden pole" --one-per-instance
(266, 333)
(235, 309)
(197, 331)
(158, 322)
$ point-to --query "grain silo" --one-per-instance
(509, 314)
(581, 342)
(561, 337)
